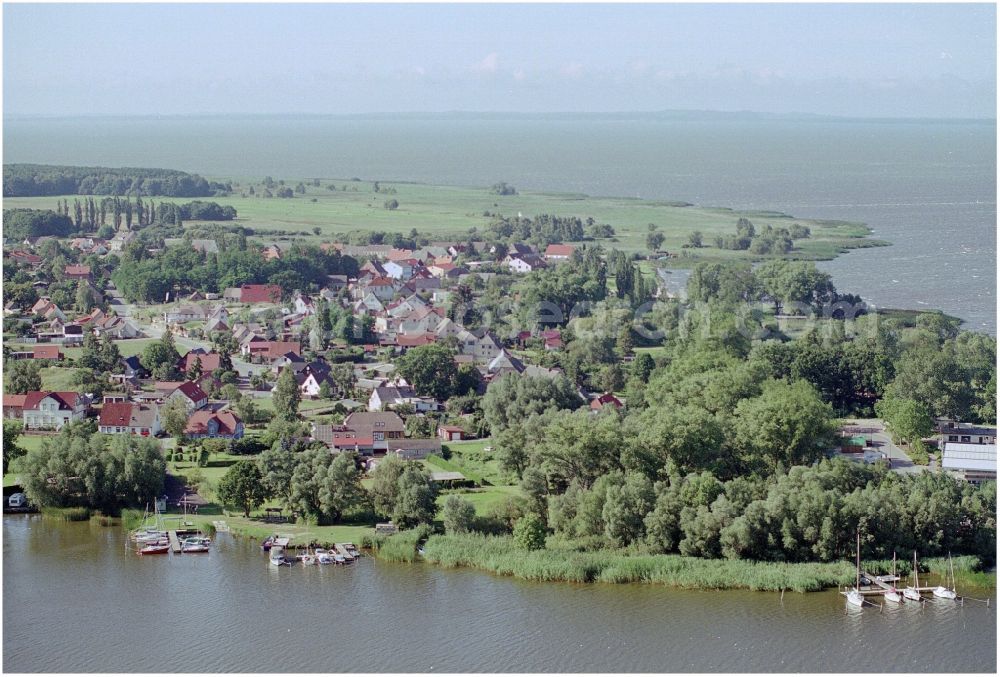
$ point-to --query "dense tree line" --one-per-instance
(81, 468)
(545, 229)
(804, 514)
(181, 269)
(768, 240)
(22, 223)
(28, 180)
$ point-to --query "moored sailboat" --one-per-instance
(912, 592)
(944, 592)
(892, 594)
(854, 597)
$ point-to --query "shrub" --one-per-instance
(459, 515)
(529, 532)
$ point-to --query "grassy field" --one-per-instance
(446, 211)
(484, 500)
(127, 347)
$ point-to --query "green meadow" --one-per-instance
(450, 211)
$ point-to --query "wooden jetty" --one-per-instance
(882, 584)
(220, 526)
(341, 550)
(175, 543)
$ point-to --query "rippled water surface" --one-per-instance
(76, 601)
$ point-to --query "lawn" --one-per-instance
(483, 499)
(58, 378)
(450, 211)
(127, 347)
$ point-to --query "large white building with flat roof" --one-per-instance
(973, 462)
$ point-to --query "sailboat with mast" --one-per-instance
(947, 593)
(892, 594)
(912, 592)
(854, 597)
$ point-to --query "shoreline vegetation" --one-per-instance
(499, 555)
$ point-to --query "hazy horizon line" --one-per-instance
(670, 112)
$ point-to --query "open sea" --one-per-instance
(929, 187)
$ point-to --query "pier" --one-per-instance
(175, 543)
(342, 551)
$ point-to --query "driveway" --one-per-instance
(874, 430)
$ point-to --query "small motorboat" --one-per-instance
(195, 544)
(324, 556)
(855, 598)
(277, 557)
(155, 549)
(351, 549)
(307, 559)
(339, 559)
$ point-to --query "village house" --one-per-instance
(217, 320)
(185, 313)
(605, 400)
(559, 252)
(44, 307)
(304, 305)
(77, 272)
(210, 361)
(451, 433)
(268, 350)
(13, 406)
(381, 427)
(24, 258)
(524, 263)
(223, 424)
(271, 252)
(121, 240)
(336, 282)
(39, 353)
(399, 254)
(964, 433)
(390, 396)
(369, 251)
(339, 438)
(381, 287)
(199, 245)
(48, 410)
(253, 293)
(132, 367)
(402, 269)
(129, 418)
(190, 393)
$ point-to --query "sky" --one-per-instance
(158, 59)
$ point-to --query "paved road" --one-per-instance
(875, 431)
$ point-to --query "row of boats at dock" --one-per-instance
(154, 542)
(154, 539)
(867, 584)
(278, 551)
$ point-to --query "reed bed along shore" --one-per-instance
(499, 555)
(399, 547)
(66, 514)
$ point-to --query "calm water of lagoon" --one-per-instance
(75, 600)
